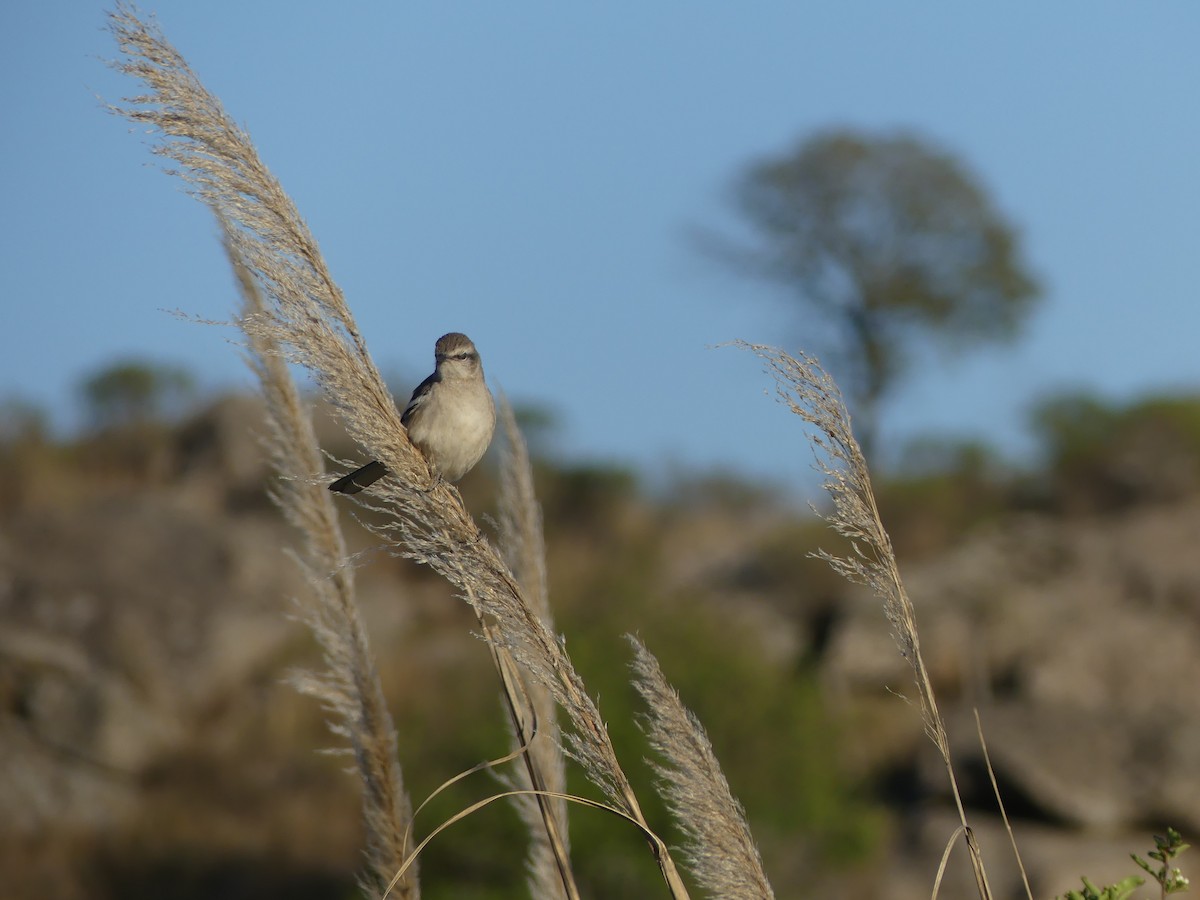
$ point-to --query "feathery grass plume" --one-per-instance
(349, 688)
(524, 548)
(809, 392)
(720, 851)
(309, 319)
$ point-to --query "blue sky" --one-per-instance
(528, 173)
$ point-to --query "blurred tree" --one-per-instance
(539, 426)
(136, 392)
(1104, 456)
(22, 422)
(941, 489)
(892, 243)
(1071, 425)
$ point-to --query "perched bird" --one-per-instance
(450, 417)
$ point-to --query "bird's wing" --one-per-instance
(418, 397)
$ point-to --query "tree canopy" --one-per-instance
(892, 243)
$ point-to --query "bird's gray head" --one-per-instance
(455, 355)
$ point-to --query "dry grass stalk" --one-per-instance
(349, 688)
(523, 544)
(308, 318)
(1012, 838)
(720, 850)
(811, 393)
(448, 540)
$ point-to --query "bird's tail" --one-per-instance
(359, 478)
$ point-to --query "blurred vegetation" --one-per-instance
(25, 444)
(941, 491)
(1100, 456)
(131, 407)
(133, 392)
(614, 551)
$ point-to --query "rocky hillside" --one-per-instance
(149, 740)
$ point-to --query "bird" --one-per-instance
(450, 417)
